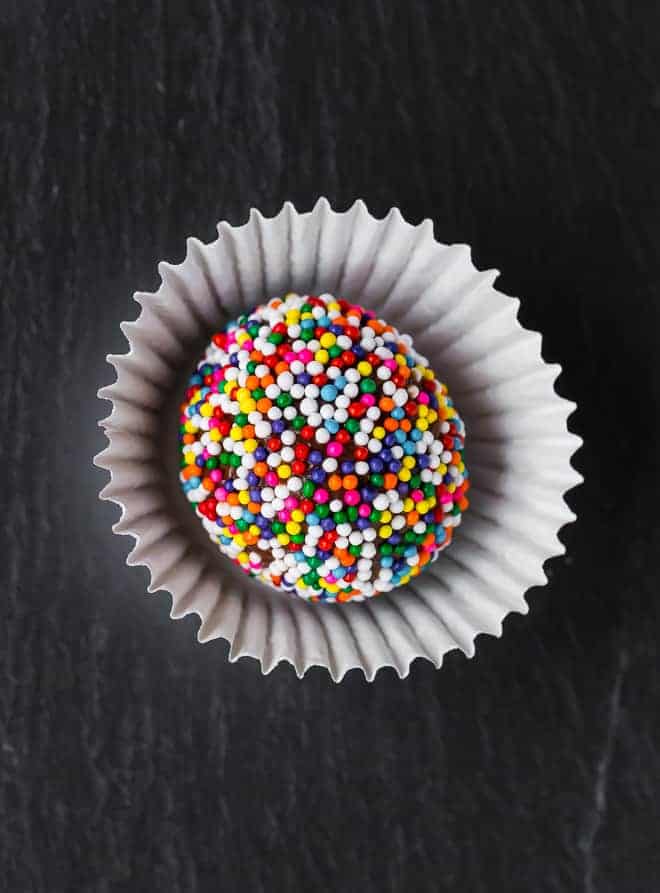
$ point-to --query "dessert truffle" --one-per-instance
(320, 451)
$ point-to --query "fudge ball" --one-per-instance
(320, 451)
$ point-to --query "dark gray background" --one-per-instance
(133, 759)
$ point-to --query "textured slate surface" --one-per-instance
(132, 758)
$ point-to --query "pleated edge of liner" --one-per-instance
(337, 675)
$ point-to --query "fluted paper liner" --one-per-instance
(518, 449)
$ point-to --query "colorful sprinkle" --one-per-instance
(319, 450)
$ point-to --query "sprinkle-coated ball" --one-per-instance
(320, 451)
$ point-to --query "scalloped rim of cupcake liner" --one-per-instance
(516, 422)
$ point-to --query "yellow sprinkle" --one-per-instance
(364, 368)
(190, 458)
(283, 538)
(408, 461)
(451, 488)
(254, 530)
(327, 339)
(297, 515)
(404, 474)
(422, 411)
(385, 531)
(242, 556)
(386, 516)
(190, 428)
(432, 416)
(442, 468)
(408, 504)
(247, 406)
(379, 433)
(334, 306)
(236, 433)
(206, 410)
(332, 587)
(292, 528)
(239, 541)
(284, 471)
(215, 435)
(321, 356)
(422, 507)
(422, 424)
(243, 497)
(250, 445)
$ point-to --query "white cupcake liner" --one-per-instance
(518, 449)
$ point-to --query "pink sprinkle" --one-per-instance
(331, 578)
(233, 529)
(365, 510)
(391, 364)
(334, 449)
(352, 497)
(321, 495)
(417, 495)
(205, 453)
(220, 494)
(283, 515)
(214, 423)
(305, 356)
(446, 497)
(423, 397)
(271, 479)
(216, 475)
(290, 503)
(289, 356)
(367, 399)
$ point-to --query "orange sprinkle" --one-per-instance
(405, 424)
(232, 498)
(390, 424)
(263, 405)
(260, 469)
(334, 482)
(412, 518)
(265, 380)
(390, 481)
(386, 404)
(208, 484)
(188, 438)
(350, 482)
